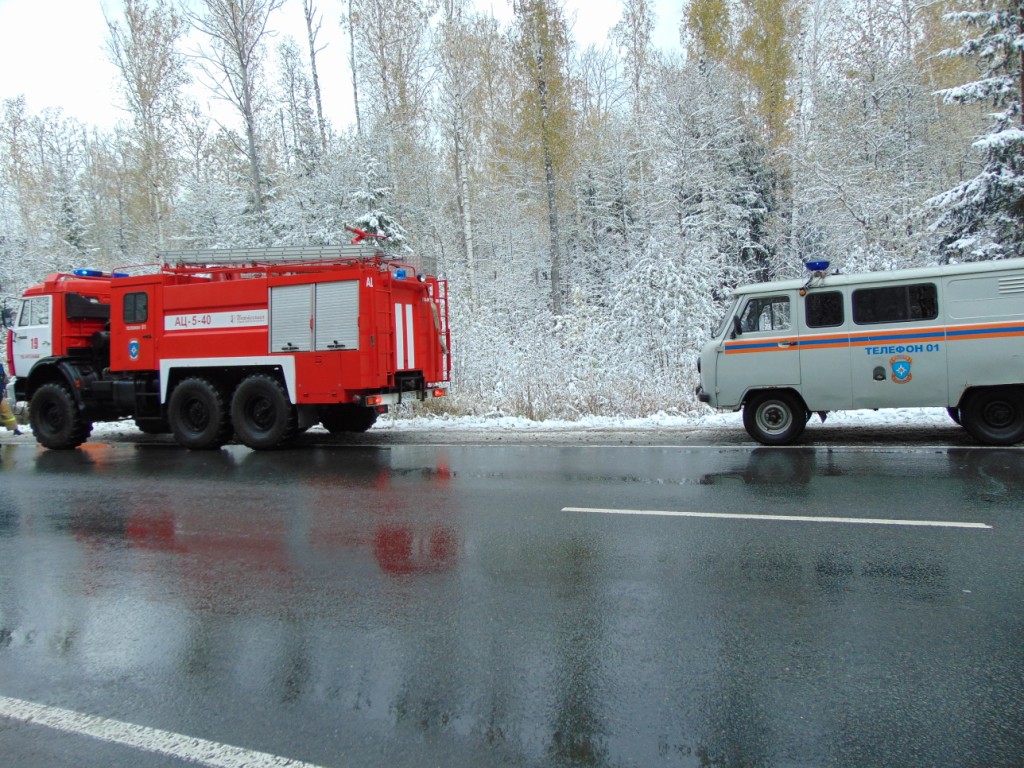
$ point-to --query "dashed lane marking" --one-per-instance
(198, 751)
(782, 518)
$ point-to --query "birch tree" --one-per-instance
(313, 23)
(145, 50)
(237, 30)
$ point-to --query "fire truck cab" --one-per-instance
(259, 344)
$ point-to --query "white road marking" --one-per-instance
(199, 751)
(782, 518)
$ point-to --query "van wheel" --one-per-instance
(198, 416)
(774, 418)
(263, 416)
(994, 415)
(56, 421)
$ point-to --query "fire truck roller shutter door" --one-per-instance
(337, 315)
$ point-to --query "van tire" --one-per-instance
(994, 415)
(774, 417)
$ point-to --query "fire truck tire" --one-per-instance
(346, 417)
(994, 415)
(774, 417)
(57, 422)
(198, 415)
(262, 415)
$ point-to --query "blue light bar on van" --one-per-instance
(816, 266)
(87, 273)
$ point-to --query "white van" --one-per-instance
(950, 336)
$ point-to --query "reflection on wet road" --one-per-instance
(418, 605)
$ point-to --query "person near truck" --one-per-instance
(6, 414)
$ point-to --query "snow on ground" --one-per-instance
(924, 417)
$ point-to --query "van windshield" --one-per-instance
(724, 323)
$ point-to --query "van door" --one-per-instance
(825, 380)
(33, 334)
(898, 347)
(762, 351)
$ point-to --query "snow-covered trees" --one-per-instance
(591, 208)
(984, 216)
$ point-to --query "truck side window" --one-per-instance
(895, 304)
(136, 307)
(770, 313)
(35, 311)
(824, 310)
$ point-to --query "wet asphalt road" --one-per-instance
(416, 605)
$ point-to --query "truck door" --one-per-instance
(139, 316)
(762, 352)
(33, 334)
(898, 347)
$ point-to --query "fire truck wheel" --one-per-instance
(198, 415)
(346, 417)
(774, 417)
(994, 415)
(56, 421)
(263, 416)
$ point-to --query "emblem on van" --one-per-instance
(900, 369)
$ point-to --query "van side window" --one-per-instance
(769, 313)
(895, 304)
(824, 310)
(136, 307)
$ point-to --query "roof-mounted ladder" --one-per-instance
(208, 257)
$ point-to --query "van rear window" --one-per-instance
(823, 310)
(895, 304)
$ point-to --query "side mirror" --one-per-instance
(737, 329)
(6, 316)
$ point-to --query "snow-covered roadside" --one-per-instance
(906, 417)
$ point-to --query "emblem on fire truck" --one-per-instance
(133, 349)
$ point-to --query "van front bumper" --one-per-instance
(704, 397)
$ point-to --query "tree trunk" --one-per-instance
(311, 32)
(352, 66)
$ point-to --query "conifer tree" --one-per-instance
(983, 218)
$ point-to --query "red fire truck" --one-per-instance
(257, 343)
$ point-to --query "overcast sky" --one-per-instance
(54, 51)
